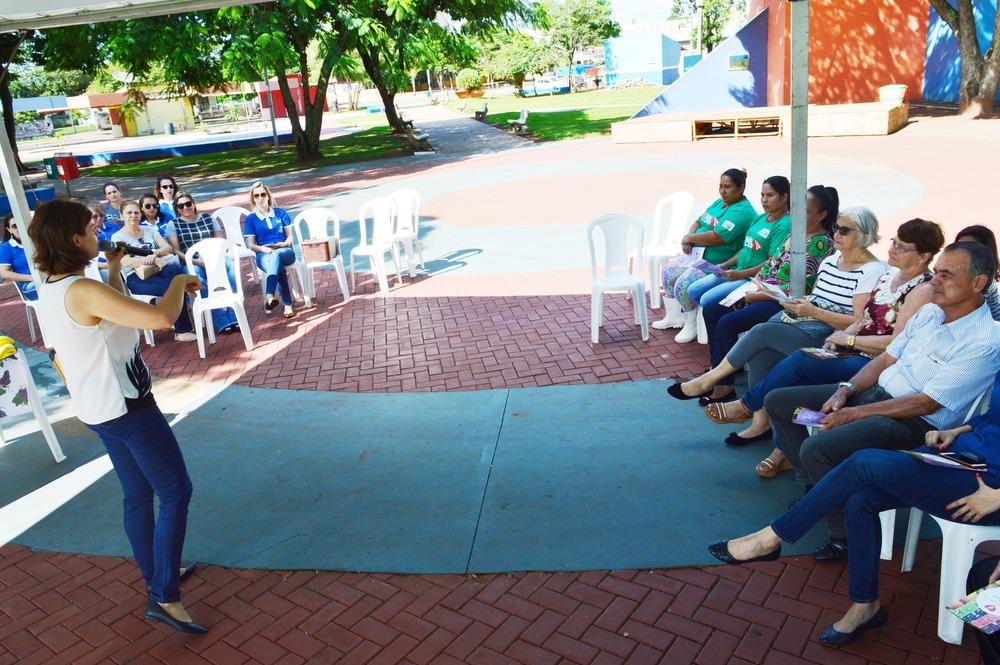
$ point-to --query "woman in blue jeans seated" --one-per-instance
(92, 327)
(871, 481)
(897, 296)
(268, 232)
(724, 323)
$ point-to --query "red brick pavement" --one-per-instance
(68, 608)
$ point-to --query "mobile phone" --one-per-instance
(970, 458)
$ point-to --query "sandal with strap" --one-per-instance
(718, 413)
(768, 468)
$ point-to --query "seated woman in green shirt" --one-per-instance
(720, 231)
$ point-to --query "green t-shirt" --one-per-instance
(729, 223)
(763, 240)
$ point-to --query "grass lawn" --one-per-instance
(373, 143)
(567, 115)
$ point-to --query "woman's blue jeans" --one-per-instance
(157, 285)
(802, 369)
(869, 482)
(697, 290)
(220, 317)
(273, 265)
(148, 462)
(724, 325)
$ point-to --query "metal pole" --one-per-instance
(800, 142)
(270, 106)
(701, 27)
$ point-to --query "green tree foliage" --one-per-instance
(30, 80)
(519, 55)
(980, 72)
(576, 24)
(717, 15)
(469, 79)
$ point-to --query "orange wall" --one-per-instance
(854, 48)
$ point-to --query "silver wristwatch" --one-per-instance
(848, 385)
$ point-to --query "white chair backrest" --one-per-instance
(214, 252)
(230, 219)
(979, 405)
(622, 236)
(669, 233)
(407, 210)
(313, 223)
(381, 211)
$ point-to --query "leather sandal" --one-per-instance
(768, 468)
(718, 413)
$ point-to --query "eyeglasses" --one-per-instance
(186, 204)
(894, 244)
(837, 229)
(260, 195)
(150, 206)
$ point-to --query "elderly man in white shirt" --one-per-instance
(927, 379)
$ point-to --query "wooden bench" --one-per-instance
(419, 141)
(481, 114)
(521, 124)
(749, 122)
(407, 124)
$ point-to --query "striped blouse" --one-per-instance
(840, 286)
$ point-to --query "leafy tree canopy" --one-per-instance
(716, 16)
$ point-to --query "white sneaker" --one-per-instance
(185, 337)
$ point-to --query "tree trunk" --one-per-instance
(979, 73)
(369, 58)
(7, 102)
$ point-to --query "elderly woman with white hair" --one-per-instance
(844, 283)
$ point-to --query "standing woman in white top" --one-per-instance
(93, 328)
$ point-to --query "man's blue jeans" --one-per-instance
(871, 481)
(273, 264)
(148, 462)
(802, 369)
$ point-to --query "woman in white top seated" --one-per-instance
(92, 327)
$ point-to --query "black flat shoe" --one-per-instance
(734, 439)
(156, 613)
(188, 570)
(231, 329)
(720, 550)
(835, 638)
(728, 397)
(675, 392)
(834, 549)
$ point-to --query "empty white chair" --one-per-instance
(313, 224)
(214, 251)
(381, 211)
(230, 219)
(406, 231)
(31, 311)
(621, 237)
(665, 238)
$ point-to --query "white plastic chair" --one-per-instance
(230, 219)
(381, 212)
(406, 229)
(665, 238)
(38, 409)
(622, 238)
(214, 251)
(31, 311)
(151, 300)
(313, 224)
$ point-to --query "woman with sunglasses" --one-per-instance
(268, 232)
(93, 328)
(844, 283)
(165, 189)
(153, 214)
(136, 234)
(189, 228)
(113, 208)
(14, 260)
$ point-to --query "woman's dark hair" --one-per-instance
(927, 236)
(738, 176)
(780, 184)
(829, 202)
(104, 189)
(52, 230)
(6, 227)
(984, 236)
(156, 188)
(159, 211)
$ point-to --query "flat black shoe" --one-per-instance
(188, 570)
(834, 549)
(156, 613)
(728, 397)
(720, 550)
(835, 638)
(676, 392)
(734, 439)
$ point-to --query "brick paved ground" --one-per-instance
(67, 608)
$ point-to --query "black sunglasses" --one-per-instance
(150, 206)
(837, 229)
(186, 204)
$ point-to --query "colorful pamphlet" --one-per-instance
(980, 609)
(944, 460)
(827, 354)
(771, 291)
(807, 417)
